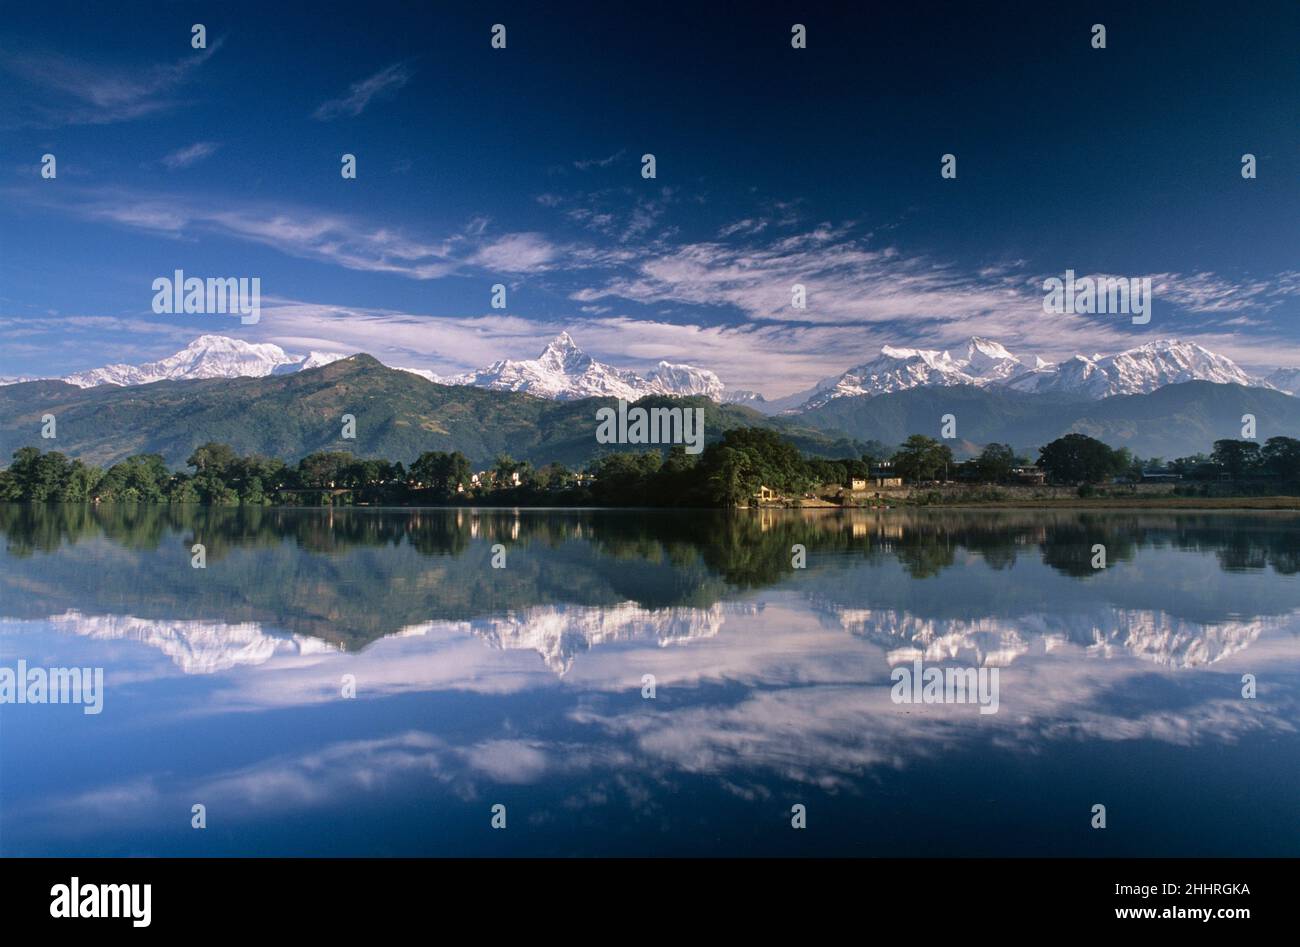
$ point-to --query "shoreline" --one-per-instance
(1264, 503)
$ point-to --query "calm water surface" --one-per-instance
(523, 686)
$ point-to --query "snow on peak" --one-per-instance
(208, 356)
(1135, 371)
(563, 356)
(670, 379)
(563, 371)
(989, 361)
(896, 369)
(990, 364)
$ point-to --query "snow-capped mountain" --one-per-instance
(744, 396)
(989, 364)
(1136, 371)
(895, 369)
(1285, 379)
(1079, 375)
(208, 356)
(898, 369)
(564, 372)
(669, 379)
(989, 361)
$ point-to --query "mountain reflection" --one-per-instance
(525, 684)
(934, 584)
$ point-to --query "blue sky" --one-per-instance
(522, 166)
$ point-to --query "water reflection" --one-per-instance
(772, 683)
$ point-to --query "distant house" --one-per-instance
(766, 494)
(875, 481)
(1032, 476)
(1160, 476)
(883, 474)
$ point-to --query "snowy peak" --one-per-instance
(1285, 379)
(990, 364)
(1135, 371)
(563, 356)
(896, 369)
(1169, 362)
(563, 371)
(208, 356)
(683, 380)
(989, 361)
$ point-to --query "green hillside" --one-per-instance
(398, 416)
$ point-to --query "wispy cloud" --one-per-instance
(518, 253)
(382, 84)
(297, 231)
(1212, 293)
(69, 91)
(192, 154)
(588, 163)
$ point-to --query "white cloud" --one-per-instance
(189, 155)
(360, 94)
(516, 253)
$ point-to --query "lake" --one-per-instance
(382, 682)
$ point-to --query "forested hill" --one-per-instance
(399, 415)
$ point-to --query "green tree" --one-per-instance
(1077, 458)
(1281, 457)
(212, 458)
(733, 479)
(323, 469)
(922, 458)
(995, 462)
(1236, 458)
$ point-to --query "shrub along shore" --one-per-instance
(748, 466)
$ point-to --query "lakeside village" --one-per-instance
(748, 466)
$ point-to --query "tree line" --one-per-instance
(728, 472)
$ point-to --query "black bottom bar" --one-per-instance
(305, 896)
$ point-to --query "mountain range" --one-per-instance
(398, 415)
(564, 372)
(208, 356)
(1165, 399)
(988, 364)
